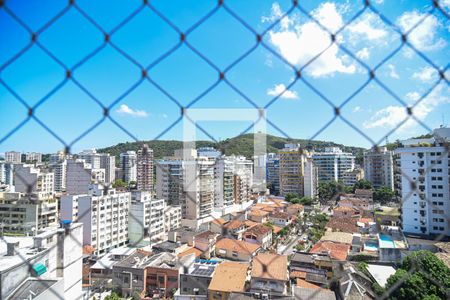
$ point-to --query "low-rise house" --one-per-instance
(259, 234)
(229, 277)
(345, 211)
(337, 237)
(342, 224)
(315, 268)
(259, 216)
(162, 273)
(216, 225)
(129, 275)
(234, 229)
(336, 251)
(280, 219)
(206, 242)
(197, 253)
(249, 223)
(270, 273)
(103, 268)
(171, 247)
(354, 284)
(312, 292)
(295, 209)
(236, 250)
(195, 282)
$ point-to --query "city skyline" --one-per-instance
(146, 112)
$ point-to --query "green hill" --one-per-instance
(241, 145)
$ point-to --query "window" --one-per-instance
(173, 279)
(161, 279)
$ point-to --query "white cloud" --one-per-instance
(425, 74)
(392, 72)
(369, 27)
(278, 89)
(424, 37)
(300, 42)
(363, 53)
(357, 109)
(126, 110)
(391, 116)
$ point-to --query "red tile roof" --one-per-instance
(337, 251)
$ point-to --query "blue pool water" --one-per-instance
(371, 246)
(386, 241)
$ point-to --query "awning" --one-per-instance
(39, 269)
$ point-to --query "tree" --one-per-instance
(383, 194)
(113, 296)
(327, 190)
(306, 201)
(430, 278)
(119, 183)
(290, 196)
(363, 185)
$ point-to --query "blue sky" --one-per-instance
(146, 111)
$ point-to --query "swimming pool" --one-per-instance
(371, 246)
(386, 241)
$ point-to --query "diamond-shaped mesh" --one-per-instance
(147, 73)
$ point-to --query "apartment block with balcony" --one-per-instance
(128, 166)
(29, 179)
(144, 168)
(146, 218)
(13, 157)
(422, 182)
(104, 215)
(333, 163)
(378, 167)
(273, 173)
(80, 175)
(27, 213)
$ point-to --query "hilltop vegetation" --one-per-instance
(241, 145)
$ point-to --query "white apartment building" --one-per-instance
(145, 168)
(80, 175)
(28, 179)
(310, 178)
(209, 152)
(273, 172)
(128, 166)
(350, 177)
(45, 266)
(27, 214)
(105, 219)
(425, 162)
(378, 167)
(100, 161)
(224, 182)
(243, 179)
(332, 163)
(6, 173)
(33, 157)
(57, 157)
(59, 168)
(292, 169)
(188, 183)
(13, 157)
(172, 218)
(146, 219)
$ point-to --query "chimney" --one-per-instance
(12, 248)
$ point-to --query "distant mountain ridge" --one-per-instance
(240, 145)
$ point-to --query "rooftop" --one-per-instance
(258, 213)
(237, 246)
(192, 250)
(229, 277)
(443, 246)
(380, 273)
(32, 288)
(259, 229)
(234, 224)
(203, 269)
(337, 237)
(137, 260)
(336, 251)
(270, 266)
(348, 225)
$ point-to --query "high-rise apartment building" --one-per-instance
(187, 180)
(104, 215)
(273, 173)
(100, 161)
(310, 179)
(27, 213)
(224, 182)
(6, 173)
(13, 157)
(146, 219)
(332, 164)
(243, 179)
(291, 169)
(145, 168)
(29, 179)
(80, 175)
(60, 170)
(422, 183)
(33, 157)
(128, 166)
(378, 167)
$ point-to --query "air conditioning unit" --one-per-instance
(264, 296)
(257, 295)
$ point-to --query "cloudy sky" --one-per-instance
(332, 75)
